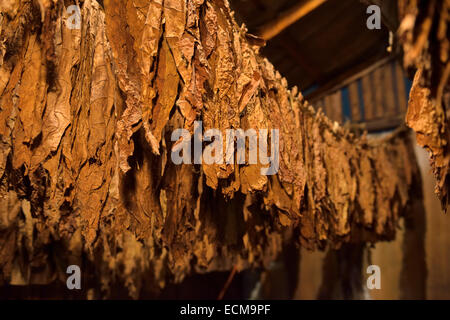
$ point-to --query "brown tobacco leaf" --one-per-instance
(167, 87)
(431, 126)
(425, 36)
(86, 118)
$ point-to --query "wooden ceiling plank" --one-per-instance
(293, 50)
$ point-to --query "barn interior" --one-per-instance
(357, 77)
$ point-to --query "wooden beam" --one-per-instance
(287, 18)
(378, 125)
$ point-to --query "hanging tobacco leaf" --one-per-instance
(424, 33)
(85, 157)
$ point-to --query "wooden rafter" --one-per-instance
(287, 18)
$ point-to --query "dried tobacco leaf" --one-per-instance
(86, 156)
(425, 36)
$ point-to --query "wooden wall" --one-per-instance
(377, 98)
